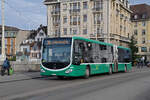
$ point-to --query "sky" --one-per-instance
(29, 14)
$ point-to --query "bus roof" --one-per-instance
(94, 41)
(99, 42)
(90, 40)
(124, 47)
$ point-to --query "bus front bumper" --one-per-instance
(70, 72)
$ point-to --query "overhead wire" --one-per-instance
(27, 18)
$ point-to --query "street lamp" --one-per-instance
(3, 31)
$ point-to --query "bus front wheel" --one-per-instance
(87, 73)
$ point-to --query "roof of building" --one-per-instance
(46, 2)
(35, 32)
(9, 28)
(49, 0)
(142, 11)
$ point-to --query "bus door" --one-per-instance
(115, 60)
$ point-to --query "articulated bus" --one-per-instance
(77, 56)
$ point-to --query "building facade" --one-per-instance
(141, 28)
(104, 20)
(10, 41)
(22, 35)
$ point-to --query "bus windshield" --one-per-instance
(56, 51)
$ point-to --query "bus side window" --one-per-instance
(127, 56)
(104, 60)
(112, 50)
(103, 47)
(77, 48)
(82, 47)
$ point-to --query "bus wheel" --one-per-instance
(110, 70)
(125, 68)
(87, 73)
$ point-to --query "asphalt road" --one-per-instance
(119, 86)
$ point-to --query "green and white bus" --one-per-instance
(77, 56)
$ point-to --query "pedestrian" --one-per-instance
(138, 63)
(5, 66)
(142, 61)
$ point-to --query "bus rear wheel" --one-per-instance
(87, 73)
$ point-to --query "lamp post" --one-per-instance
(3, 31)
(108, 19)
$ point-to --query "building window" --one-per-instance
(135, 25)
(64, 7)
(124, 29)
(117, 12)
(84, 18)
(78, 5)
(98, 5)
(5, 42)
(143, 16)
(85, 31)
(65, 31)
(143, 32)
(143, 40)
(136, 41)
(74, 31)
(98, 30)
(144, 23)
(138, 50)
(135, 32)
(6, 50)
(11, 42)
(40, 34)
(85, 6)
(74, 5)
(120, 27)
(78, 19)
(75, 19)
(25, 50)
(99, 18)
(70, 30)
(135, 16)
(12, 34)
(143, 49)
(65, 19)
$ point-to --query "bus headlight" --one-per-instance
(68, 71)
(42, 70)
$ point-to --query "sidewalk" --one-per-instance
(135, 69)
(18, 76)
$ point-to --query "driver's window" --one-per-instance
(79, 47)
(78, 50)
